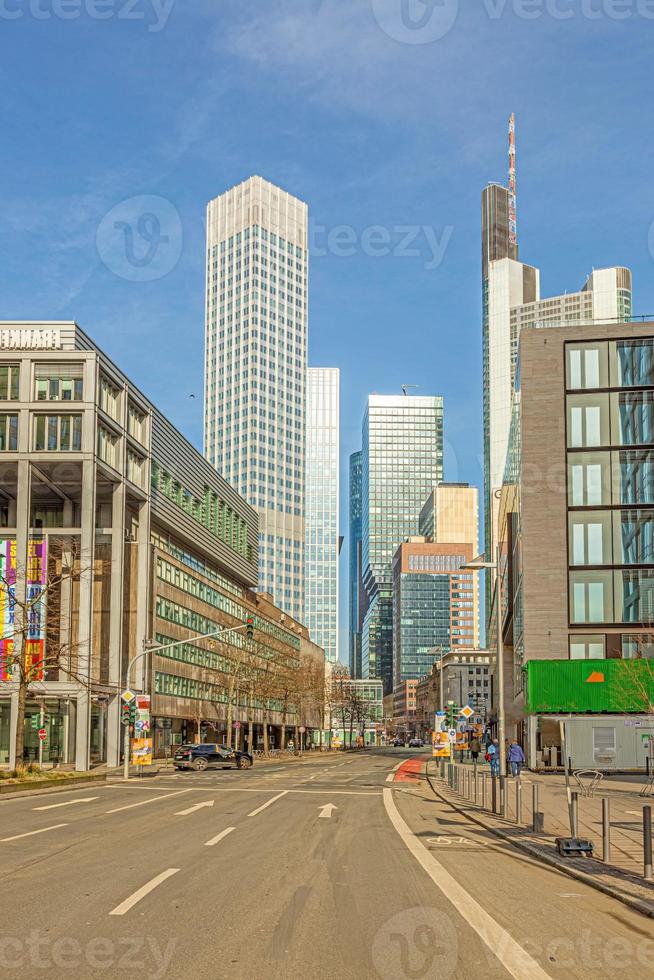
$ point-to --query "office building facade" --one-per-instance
(125, 539)
(402, 460)
(576, 531)
(255, 369)
(322, 509)
(354, 561)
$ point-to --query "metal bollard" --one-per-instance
(538, 821)
(504, 797)
(606, 831)
(518, 801)
(476, 785)
(574, 814)
(647, 841)
(483, 790)
(494, 793)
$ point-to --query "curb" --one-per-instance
(46, 787)
(638, 905)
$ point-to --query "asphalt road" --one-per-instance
(332, 867)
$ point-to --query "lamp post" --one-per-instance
(475, 565)
(149, 647)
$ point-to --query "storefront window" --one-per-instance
(5, 731)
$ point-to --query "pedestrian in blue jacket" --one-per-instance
(516, 758)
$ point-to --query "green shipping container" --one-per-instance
(589, 686)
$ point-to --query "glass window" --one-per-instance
(591, 597)
(53, 433)
(589, 479)
(590, 538)
(634, 596)
(587, 646)
(108, 446)
(635, 362)
(634, 537)
(588, 420)
(8, 433)
(633, 477)
(9, 379)
(587, 366)
(637, 646)
(632, 417)
(66, 385)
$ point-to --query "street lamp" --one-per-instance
(149, 647)
(476, 565)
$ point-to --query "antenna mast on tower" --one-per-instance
(513, 216)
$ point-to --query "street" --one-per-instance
(322, 868)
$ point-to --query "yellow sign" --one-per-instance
(142, 752)
(440, 745)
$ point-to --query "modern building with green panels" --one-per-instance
(402, 459)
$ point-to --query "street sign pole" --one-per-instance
(41, 725)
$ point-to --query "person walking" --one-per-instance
(493, 756)
(475, 749)
(516, 758)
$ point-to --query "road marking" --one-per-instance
(142, 892)
(53, 806)
(192, 809)
(444, 839)
(269, 803)
(219, 837)
(31, 833)
(153, 799)
(327, 810)
(391, 775)
(517, 961)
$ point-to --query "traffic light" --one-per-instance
(452, 714)
(128, 713)
(249, 632)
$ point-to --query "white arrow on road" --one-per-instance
(54, 806)
(192, 809)
(327, 810)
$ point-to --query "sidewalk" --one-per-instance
(622, 878)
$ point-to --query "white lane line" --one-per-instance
(142, 892)
(31, 833)
(192, 809)
(391, 775)
(153, 799)
(54, 806)
(269, 803)
(219, 837)
(511, 955)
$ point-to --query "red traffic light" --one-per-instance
(249, 622)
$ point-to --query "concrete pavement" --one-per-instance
(338, 868)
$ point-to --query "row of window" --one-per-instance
(610, 364)
(625, 596)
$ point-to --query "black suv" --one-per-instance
(200, 757)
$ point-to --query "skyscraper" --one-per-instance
(402, 459)
(255, 369)
(511, 301)
(322, 539)
(354, 558)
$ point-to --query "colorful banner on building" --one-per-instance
(36, 573)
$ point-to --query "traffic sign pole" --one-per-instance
(41, 740)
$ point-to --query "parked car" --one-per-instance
(398, 743)
(416, 743)
(201, 757)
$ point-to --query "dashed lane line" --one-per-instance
(153, 799)
(31, 833)
(219, 837)
(130, 902)
(268, 803)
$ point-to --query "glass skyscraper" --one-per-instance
(402, 460)
(256, 367)
(322, 539)
(355, 605)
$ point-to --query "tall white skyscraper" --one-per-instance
(255, 369)
(321, 558)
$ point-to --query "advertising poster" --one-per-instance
(441, 745)
(142, 752)
(36, 628)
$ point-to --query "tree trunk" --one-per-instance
(250, 724)
(20, 721)
(265, 733)
(284, 713)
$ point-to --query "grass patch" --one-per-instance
(32, 773)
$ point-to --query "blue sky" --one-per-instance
(376, 122)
